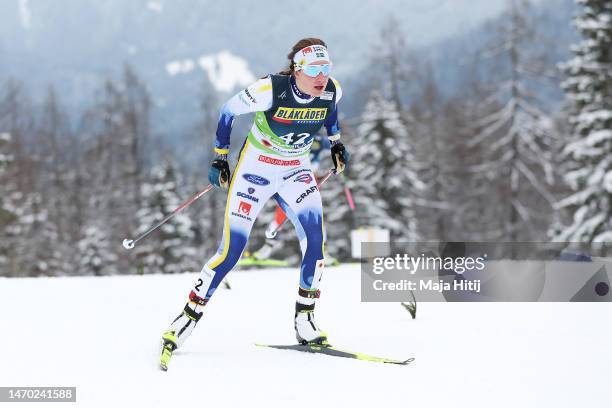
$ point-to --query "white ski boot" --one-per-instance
(306, 329)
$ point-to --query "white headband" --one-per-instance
(310, 54)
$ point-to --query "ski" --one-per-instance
(330, 350)
(168, 347)
(252, 262)
(165, 357)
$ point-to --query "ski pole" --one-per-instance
(323, 180)
(129, 243)
(347, 193)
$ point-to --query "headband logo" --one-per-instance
(307, 50)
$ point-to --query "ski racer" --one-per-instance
(290, 107)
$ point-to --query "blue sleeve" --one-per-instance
(224, 129)
(325, 143)
(331, 122)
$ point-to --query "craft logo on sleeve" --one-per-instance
(247, 93)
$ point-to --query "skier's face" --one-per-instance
(312, 85)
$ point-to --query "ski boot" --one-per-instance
(180, 329)
(306, 330)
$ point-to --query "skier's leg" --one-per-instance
(300, 199)
(244, 202)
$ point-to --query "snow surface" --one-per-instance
(101, 335)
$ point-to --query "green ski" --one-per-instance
(330, 350)
(252, 262)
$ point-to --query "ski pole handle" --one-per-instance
(129, 243)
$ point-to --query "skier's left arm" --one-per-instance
(340, 154)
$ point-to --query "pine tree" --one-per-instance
(382, 171)
(438, 165)
(338, 217)
(518, 138)
(7, 214)
(169, 249)
(96, 254)
(589, 147)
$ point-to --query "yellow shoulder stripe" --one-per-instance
(264, 88)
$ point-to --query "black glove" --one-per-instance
(340, 157)
(219, 173)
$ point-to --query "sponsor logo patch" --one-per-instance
(247, 196)
(290, 115)
(306, 193)
(248, 94)
(251, 190)
(303, 178)
(278, 162)
(294, 173)
(244, 210)
(255, 179)
(326, 95)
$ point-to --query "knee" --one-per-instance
(229, 253)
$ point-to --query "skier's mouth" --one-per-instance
(319, 87)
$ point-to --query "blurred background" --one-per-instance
(467, 120)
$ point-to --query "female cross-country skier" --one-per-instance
(290, 108)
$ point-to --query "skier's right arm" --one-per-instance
(256, 97)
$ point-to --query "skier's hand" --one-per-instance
(219, 173)
(340, 157)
